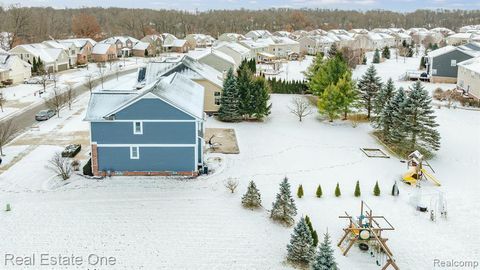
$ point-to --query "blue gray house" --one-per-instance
(442, 63)
(154, 131)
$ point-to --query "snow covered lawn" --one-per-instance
(168, 223)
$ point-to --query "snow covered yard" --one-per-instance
(167, 223)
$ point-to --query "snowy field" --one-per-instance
(168, 223)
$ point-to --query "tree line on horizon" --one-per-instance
(35, 24)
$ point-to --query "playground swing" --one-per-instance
(416, 170)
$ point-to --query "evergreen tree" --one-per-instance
(329, 72)
(300, 250)
(300, 191)
(324, 259)
(284, 209)
(229, 110)
(337, 191)
(348, 93)
(260, 97)
(395, 191)
(364, 60)
(244, 84)
(383, 96)
(319, 192)
(312, 231)
(386, 52)
(314, 67)
(330, 102)
(34, 65)
(357, 192)
(376, 57)
(392, 118)
(422, 63)
(419, 123)
(369, 85)
(252, 198)
(376, 189)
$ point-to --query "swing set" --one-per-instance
(366, 230)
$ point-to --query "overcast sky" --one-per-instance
(396, 5)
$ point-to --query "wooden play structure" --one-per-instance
(416, 170)
(366, 230)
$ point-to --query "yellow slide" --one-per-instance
(431, 177)
(408, 177)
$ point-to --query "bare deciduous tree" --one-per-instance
(43, 79)
(231, 184)
(300, 107)
(7, 131)
(2, 100)
(90, 82)
(70, 96)
(57, 102)
(85, 25)
(61, 166)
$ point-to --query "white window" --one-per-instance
(134, 152)
(453, 63)
(218, 97)
(434, 71)
(137, 127)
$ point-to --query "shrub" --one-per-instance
(337, 191)
(300, 191)
(319, 192)
(376, 190)
(87, 169)
(357, 192)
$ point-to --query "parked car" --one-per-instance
(33, 80)
(71, 150)
(44, 115)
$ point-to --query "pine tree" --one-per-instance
(324, 259)
(369, 85)
(386, 52)
(376, 57)
(312, 231)
(422, 63)
(376, 189)
(244, 86)
(393, 117)
(337, 191)
(383, 96)
(300, 191)
(319, 192)
(260, 98)
(364, 60)
(395, 191)
(314, 67)
(330, 102)
(229, 110)
(34, 65)
(301, 250)
(357, 192)
(329, 72)
(333, 51)
(284, 209)
(252, 198)
(419, 121)
(348, 93)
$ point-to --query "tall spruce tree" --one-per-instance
(284, 208)
(393, 117)
(301, 250)
(369, 85)
(252, 198)
(314, 67)
(229, 110)
(376, 57)
(244, 83)
(324, 259)
(260, 97)
(386, 93)
(419, 123)
(386, 52)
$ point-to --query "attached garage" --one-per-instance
(62, 67)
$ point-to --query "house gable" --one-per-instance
(151, 107)
(442, 64)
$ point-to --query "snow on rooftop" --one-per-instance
(471, 64)
(221, 55)
(103, 102)
(43, 51)
(141, 45)
(101, 48)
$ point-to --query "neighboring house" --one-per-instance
(442, 63)
(298, 34)
(256, 46)
(256, 34)
(199, 41)
(156, 131)
(205, 75)
(69, 49)
(282, 34)
(282, 47)
(469, 77)
(13, 68)
(234, 50)
(143, 49)
(219, 61)
(156, 41)
(104, 52)
(341, 37)
(177, 45)
(230, 37)
(369, 41)
(459, 38)
(424, 36)
(123, 44)
(83, 47)
(315, 44)
(443, 30)
(53, 59)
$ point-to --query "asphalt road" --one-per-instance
(26, 118)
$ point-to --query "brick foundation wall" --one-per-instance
(439, 79)
(95, 160)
